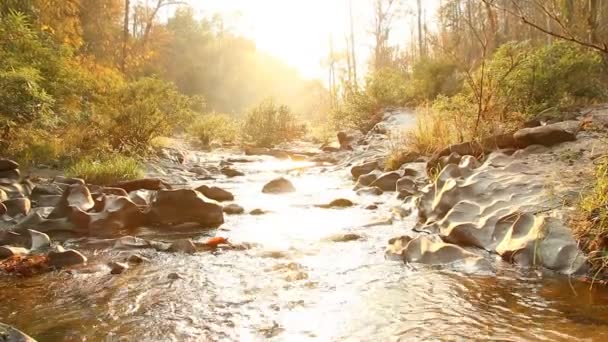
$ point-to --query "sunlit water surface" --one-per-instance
(294, 285)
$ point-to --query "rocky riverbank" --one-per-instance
(507, 199)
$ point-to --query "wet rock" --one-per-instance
(344, 237)
(367, 179)
(230, 173)
(233, 209)
(257, 212)
(363, 169)
(347, 139)
(372, 207)
(115, 213)
(262, 151)
(370, 191)
(10, 334)
(337, 203)
(14, 175)
(387, 181)
(201, 172)
(106, 190)
(131, 242)
(278, 186)
(68, 180)
(548, 135)
(3, 195)
(184, 205)
(9, 251)
(47, 200)
(137, 259)
(38, 240)
(174, 276)
(140, 197)
(215, 193)
(17, 206)
(65, 258)
(7, 164)
(153, 184)
(75, 196)
(117, 267)
(406, 187)
(298, 157)
(3, 209)
(425, 251)
(183, 246)
(410, 172)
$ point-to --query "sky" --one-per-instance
(298, 31)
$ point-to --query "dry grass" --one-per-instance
(590, 227)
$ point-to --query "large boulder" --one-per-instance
(184, 205)
(7, 164)
(363, 169)
(215, 193)
(387, 181)
(230, 172)
(65, 258)
(45, 190)
(548, 135)
(116, 213)
(10, 174)
(278, 186)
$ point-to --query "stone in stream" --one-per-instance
(75, 196)
(337, 203)
(114, 214)
(46, 190)
(372, 207)
(153, 184)
(278, 186)
(10, 334)
(183, 246)
(3, 195)
(215, 193)
(257, 211)
(344, 237)
(363, 169)
(229, 172)
(3, 209)
(9, 251)
(233, 209)
(64, 258)
(38, 240)
(184, 205)
(371, 191)
(68, 180)
(367, 179)
(17, 206)
(10, 174)
(387, 181)
(117, 267)
(137, 259)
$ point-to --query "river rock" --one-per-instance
(7, 164)
(47, 200)
(548, 135)
(372, 207)
(153, 184)
(137, 259)
(10, 334)
(46, 189)
(371, 191)
(75, 196)
(230, 172)
(9, 251)
(68, 180)
(406, 187)
(278, 186)
(215, 193)
(184, 205)
(117, 267)
(367, 179)
(183, 246)
(38, 240)
(3, 209)
(363, 169)
(337, 203)
(257, 211)
(3, 195)
(65, 258)
(17, 206)
(344, 237)
(14, 175)
(387, 181)
(116, 213)
(233, 209)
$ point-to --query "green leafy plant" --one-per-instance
(106, 171)
(269, 124)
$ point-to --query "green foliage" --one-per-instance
(269, 124)
(529, 79)
(431, 78)
(22, 99)
(214, 127)
(143, 110)
(106, 171)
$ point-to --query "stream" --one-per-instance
(295, 283)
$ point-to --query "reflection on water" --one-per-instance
(294, 286)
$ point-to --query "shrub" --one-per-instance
(269, 124)
(591, 225)
(143, 110)
(214, 127)
(431, 78)
(106, 171)
(400, 151)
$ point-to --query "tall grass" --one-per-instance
(591, 225)
(107, 171)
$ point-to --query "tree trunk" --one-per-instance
(125, 37)
(420, 38)
(352, 44)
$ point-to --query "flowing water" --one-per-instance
(296, 285)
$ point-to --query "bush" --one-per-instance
(214, 127)
(590, 227)
(106, 171)
(269, 124)
(431, 78)
(143, 110)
